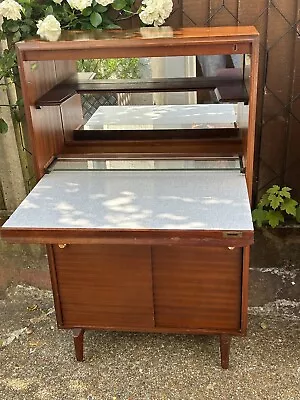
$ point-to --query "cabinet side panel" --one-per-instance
(44, 125)
(105, 286)
(197, 287)
(244, 313)
(54, 283)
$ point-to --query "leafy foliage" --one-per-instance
(275, 207)
(111, 68)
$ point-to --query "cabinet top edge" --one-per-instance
(150, 36)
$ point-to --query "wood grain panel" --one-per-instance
(95, 44)
(250, 141)
(197, 287)
(44, 125)
(59, 94)
(105, 286)
(71, 116)
(245, 289)
(231, 146)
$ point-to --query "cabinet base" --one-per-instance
(225, 340)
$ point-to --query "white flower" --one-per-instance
(155, 12)
(10, 9)
(80, 4)
(104, 2)
(57, 1)
(49, 28)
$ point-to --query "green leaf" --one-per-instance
(20, 102)
(274, 189)
(264, 201)
(285, 192)
(27, 12)
(259, 216)
(274, 218)
(12, 26)
(100, 9)
(49, 10)
(25, 29)
(112, 26)
(87, 11)
(86, 26)
(3, 126)
(275, 201)
(298, 214)
(16, 37)
(95, 19)
(289, 206)
(119, 4)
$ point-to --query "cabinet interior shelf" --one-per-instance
(63, 91)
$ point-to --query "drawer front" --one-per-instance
(197, 287)
(104, 285)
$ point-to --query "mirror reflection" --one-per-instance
(203, 94)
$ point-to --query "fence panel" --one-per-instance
(278, 115)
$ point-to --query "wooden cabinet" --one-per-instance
(147, 224)
(149, 287)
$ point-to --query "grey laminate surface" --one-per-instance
(191, 200)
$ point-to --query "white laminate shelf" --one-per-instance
(193, 116)
(155, 200)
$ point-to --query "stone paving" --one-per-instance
(37, 360)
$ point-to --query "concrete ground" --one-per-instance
(37, 361)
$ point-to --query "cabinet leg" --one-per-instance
(225, 350)
(78, 343)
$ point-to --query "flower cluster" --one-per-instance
(49, 28)
(155, 12)
(10, 9)
(23, 18)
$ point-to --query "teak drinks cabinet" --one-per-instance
(145, 210)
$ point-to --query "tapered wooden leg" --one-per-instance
(225, 350)
(78, 343)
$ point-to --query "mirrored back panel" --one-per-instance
(161, 98)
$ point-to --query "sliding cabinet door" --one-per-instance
(197, 287)
(105, 285)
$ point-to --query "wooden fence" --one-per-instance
(278, 120)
